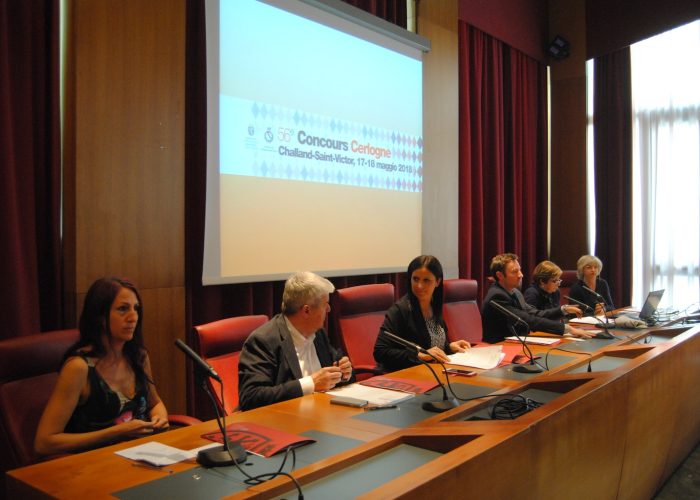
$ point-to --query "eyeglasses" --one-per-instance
(554, 280)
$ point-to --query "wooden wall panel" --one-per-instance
(438, 22)
(129, 122)
(125, 168)
(163, 320)
(568, 229)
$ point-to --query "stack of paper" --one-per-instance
(373, 395)
(479, 357)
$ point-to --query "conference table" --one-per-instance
(616, 417)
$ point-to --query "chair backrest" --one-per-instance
(568, 278)
(461, 311)
(219, 343)
(29, 368)
(359, 313)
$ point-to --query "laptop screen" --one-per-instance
(651, 304)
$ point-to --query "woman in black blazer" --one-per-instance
(417, 317)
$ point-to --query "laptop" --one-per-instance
(649, 308)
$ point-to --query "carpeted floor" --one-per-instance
(685, 482)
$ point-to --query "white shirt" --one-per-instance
(306, 354)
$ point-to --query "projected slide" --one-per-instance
(312, 117)
(270, 141)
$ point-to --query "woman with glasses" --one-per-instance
(543, 293)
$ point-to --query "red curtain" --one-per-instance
(205, 304)
(393, 11)
(30, 252)
(612, 139)
(503, 155)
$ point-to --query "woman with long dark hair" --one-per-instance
(105, 392)
(417, 317)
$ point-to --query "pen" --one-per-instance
(379, 407)
(455, 371)
(338, 356)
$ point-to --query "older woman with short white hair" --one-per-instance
(590, 287)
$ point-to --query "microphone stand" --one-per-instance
(606, 335)
(606, 325)
(227, 454)
(447, 403)
(533, 367)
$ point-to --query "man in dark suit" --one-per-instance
(290, 355)
(508, 277)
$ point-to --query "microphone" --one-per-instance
(405, 343)
(606, 334)
(505, 311)
(226, 454)
(532, 367)
(589, 290)
(199, 363)
(433, 406)
(578, 302)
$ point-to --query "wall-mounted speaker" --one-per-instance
(559, 48)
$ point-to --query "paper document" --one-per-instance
(373, 395)
(155, 453)
(479, 357)
(589, 320)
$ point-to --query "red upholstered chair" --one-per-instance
(28, 372)
(219, 343)
(568, 278)
(460, 310)
(358, 313)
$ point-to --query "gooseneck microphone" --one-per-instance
(606, 334)
(447, 403)
(532, 367)
(585, 306)
(199, 363)
(405, 343)
(505, 311)
(598, 296)
(227, 454)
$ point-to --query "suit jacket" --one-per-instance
(495, 323)
(268, 368)
(401, 320)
